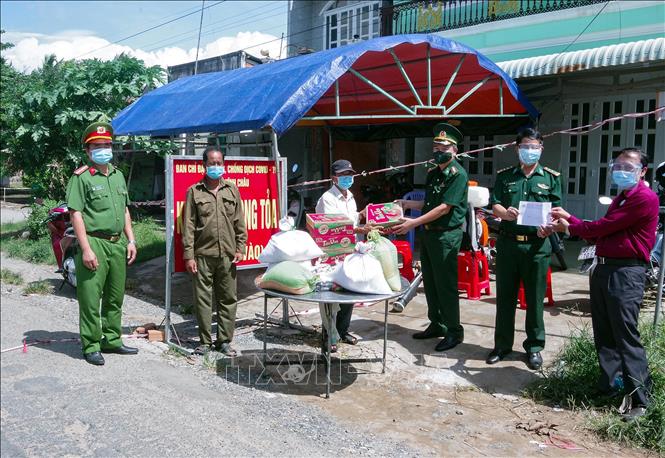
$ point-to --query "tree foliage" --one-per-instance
(45, 114)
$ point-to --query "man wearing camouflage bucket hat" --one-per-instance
(97, 199)
(443, 213)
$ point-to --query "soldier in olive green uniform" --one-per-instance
(214, 238)
(443, 213)
(523, 252)
(97, 200)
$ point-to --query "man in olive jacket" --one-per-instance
(214, 238)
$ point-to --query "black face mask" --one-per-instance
(441, 157)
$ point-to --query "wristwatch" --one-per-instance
(131, 242)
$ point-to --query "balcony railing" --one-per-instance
(433, 16)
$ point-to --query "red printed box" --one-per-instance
(319, 224)
(384, 215)
(335, 242)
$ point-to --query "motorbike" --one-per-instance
(63, 242)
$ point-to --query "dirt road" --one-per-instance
(157, 403)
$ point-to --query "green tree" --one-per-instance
(52, 106)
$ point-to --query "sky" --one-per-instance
(77, 30)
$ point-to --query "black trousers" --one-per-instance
(616, 295)
(344, 319)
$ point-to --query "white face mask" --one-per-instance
(101, 156)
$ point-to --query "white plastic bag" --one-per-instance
(361, 272)
(386, 253)
(289, 245)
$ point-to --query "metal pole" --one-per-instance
(661, 277)
(169, 247)
(385, 337)
(282, 197)
(198, 43)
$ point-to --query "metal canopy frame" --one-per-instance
(412, 111)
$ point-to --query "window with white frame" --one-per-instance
(345, 25)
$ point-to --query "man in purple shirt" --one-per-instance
(624, 238)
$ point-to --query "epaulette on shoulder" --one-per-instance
(504, 169)
(553, 172)
(81, 169)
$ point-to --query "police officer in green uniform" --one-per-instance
(443, 213)
(97, 199)
(523, 252)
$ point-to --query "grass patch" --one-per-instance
(11, 278)
(37, 251)
(13, 227)
(572, 380)
(150, 239)
(42, 287)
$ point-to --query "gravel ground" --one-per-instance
(152, 404)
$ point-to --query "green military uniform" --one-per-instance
(522, 255)
(441, 243)
(213, 231)
(102, 200)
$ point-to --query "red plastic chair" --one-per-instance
(548, 292)
(473, 274)
(404, 259)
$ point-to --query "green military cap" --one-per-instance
(97, 131)
(446, 134)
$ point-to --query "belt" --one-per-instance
(432, 227)
(519, 237)
(621, 261)
(103, 235)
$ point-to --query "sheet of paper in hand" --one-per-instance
(534, 213)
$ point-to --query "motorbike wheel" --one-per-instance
(69, 271)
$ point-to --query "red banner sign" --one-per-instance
(257, 182)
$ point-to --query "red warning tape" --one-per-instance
(581, 130)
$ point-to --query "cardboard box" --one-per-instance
(335, 241)
(385, 215)
(322, 225)
(154, 335)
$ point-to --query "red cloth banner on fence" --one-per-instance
(257, 183)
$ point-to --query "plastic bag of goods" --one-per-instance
(386, 253)
(289, 245)
(288, 277)
(361, 272)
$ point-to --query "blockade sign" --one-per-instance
(256, 180)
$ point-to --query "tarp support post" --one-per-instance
(467, 95)
(169, 248)
(501, 96)
(451, 81)
(429, 77)
(337, 111)
(380, 90)
(281, 183)
(405, 75)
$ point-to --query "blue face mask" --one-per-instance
(624, 179)
(345, 182)
(529, 156)
(215, 172)
(101, 156)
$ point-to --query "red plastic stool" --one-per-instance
(548, 292)
(473, 273)
(404, 259)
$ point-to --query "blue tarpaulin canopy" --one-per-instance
(390, 79)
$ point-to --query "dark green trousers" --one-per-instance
(215, 276)
(439, 265)
(100, 294)
(526, 261)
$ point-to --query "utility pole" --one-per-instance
(198, 43)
